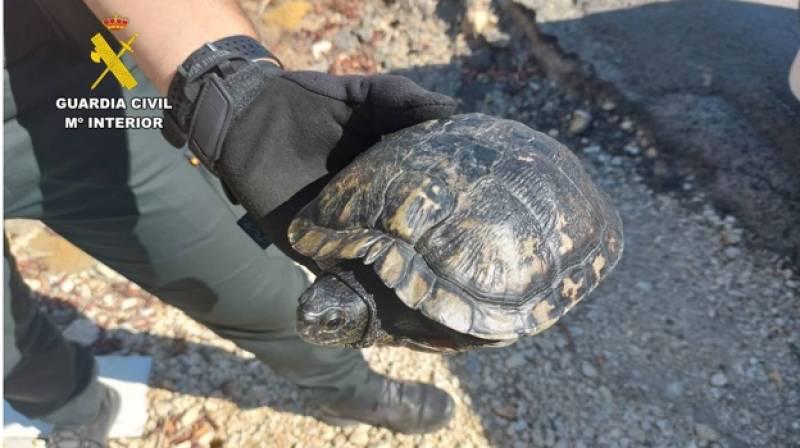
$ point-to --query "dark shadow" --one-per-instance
(190, 368)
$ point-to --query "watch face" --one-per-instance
(794, 76)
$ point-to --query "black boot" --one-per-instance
(92, 434)
(407, 407)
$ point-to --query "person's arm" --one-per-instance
(169, 31)
(272, 136)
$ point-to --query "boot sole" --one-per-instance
(339, 421)
(345, 422)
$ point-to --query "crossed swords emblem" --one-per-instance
(103, 53)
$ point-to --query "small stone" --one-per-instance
(537, 435)
(286, 15)
(606, 394)
(553, 133)
(515, 360)
(82, 331)
(588, 370)
(732, 236)
(718, 379)
(360, 436)
(732, 252)
(549, 436)
(674, 390)
(128, 303)
(345, 41)
(608, 105)
(67, 286)
(33, 283)
(637, 434)
(506, 411)
(520, 426)
(206, 438)
(776, 378)
(626, 125)
(632, 149)
(591, 149)
(580, 122)
(319, 48)
(339, 440)
(162, 408)
(190, 416)
(705, 432)
(651, 152)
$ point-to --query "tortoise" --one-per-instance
(451, 235)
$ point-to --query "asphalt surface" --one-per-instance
(709, 79)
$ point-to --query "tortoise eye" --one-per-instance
(333, 321)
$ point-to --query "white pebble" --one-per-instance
(588, 370)
(705, 432)
(580, 122)
(320, 48)
(719, 379)
(67, 286)
(632, 149)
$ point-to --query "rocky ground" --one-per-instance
(693, 340)
(709, 79)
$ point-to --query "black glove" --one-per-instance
(273, 135)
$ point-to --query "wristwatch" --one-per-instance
(201, 106)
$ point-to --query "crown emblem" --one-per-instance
(115, 23)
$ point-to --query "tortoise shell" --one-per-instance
(482, 224)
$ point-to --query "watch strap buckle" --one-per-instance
(212, 116)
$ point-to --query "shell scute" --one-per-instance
(418, 285)
(416, 204)
(449, 307)
(393, 264)
(490, 246)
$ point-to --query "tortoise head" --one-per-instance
(332, 313)
(339, 309)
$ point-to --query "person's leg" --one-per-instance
(44, 376)
(134, 203)
(42, 371)
(137, 205)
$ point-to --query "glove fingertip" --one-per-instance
(440, 106)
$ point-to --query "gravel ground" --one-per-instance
(692, 341)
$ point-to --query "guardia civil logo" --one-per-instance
(104, 54)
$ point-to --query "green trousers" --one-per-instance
(135, 203)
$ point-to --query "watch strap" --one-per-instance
(201, 108)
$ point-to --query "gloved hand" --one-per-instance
(269, 133)
(303, 125)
